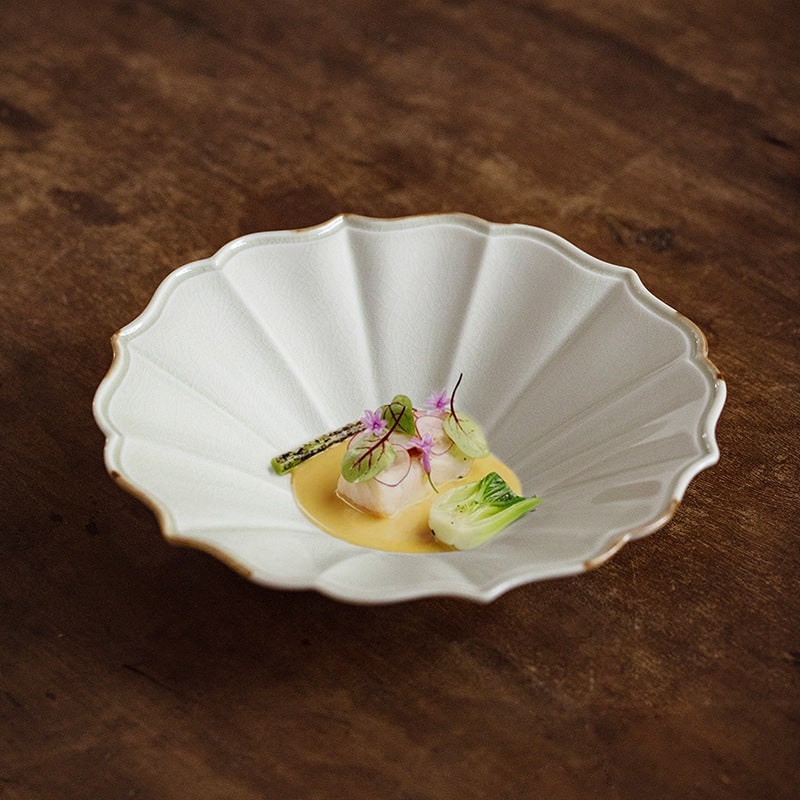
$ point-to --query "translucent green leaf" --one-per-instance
(366, 458)
(401, 412)
(466, 434)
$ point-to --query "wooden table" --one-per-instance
(138, 135)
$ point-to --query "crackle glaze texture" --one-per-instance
(598, 395)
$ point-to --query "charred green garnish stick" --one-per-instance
(288, 461)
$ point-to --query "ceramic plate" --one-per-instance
(598, 395)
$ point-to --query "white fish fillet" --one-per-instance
(405, 483)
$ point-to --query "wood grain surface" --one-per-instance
(138, 135)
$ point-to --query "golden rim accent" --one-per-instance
(165, 525)
(631, 535)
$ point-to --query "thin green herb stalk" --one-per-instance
(288, 461)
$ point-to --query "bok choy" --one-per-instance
(469, 515)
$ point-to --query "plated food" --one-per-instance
(421, 479)
(596, 395)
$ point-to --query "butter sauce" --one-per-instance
(314, 486)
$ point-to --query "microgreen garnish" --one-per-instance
(400, 414)
(369, 455)
(466, 434)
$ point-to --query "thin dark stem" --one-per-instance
(384, 438)
(452, 397)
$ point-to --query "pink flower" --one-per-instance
(373, 422)
(438, 402)
(424, 445)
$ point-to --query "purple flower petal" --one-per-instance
(424, 445)
(373, 422)
(438, 402)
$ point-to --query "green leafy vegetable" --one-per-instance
(469, 515)
(366, 458)
(399, 415)
(370, 455)
(466, 435)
